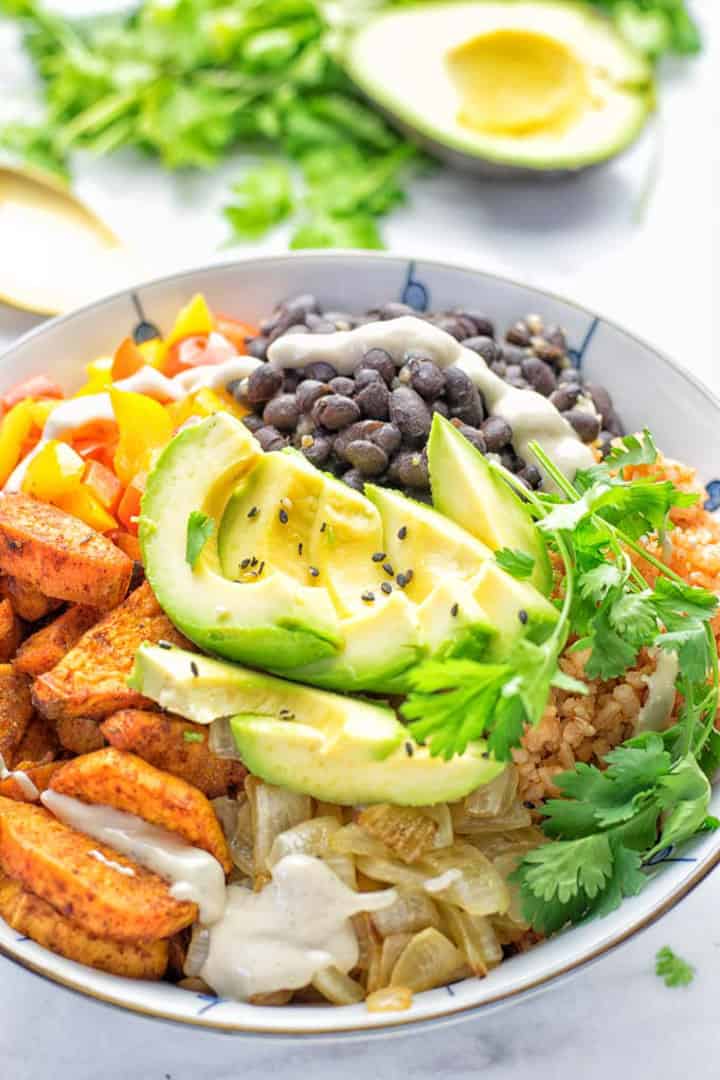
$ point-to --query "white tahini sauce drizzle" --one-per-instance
(126, 870)
(277, 939)
(195, 874)
(660, 699)
(530, 415)
(21, 778)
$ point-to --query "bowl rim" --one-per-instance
(390, 1023)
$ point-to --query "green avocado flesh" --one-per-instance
(466, 490)
(527, 84)
(336, 748)
(307, 578)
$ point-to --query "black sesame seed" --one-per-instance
(313, 571)
(386, 587)
(253, 512)
(387, 567)
(194, 668)
(283, 515)
(409, 575)
(454, 610)
(485, 754)
(254, 561)
(244, 564)
(378, 556)
(162, 644)
(523, 616)
(402, 532)
(260, 568)
(368, 597)
(409, 749)
(401, 580)
(300, 549)
(323, 527)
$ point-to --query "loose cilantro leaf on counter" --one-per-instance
(200, 528)
(672, 968)
(517, 563)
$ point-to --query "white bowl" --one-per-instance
(648, 389)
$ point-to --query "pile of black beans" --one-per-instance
(374, 424)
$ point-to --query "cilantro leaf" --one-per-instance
(611, 654)
(558, 881)
(672, 968)
(597, 582)
(633, 450)
(200, 528)
(633, 616)
(262, 198)
(517, 563)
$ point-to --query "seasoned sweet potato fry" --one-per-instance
(91, 680)
(46, 648)
(15, 711)
(11, 788)
(28, 601)
(128, 783)
(35, 918)
(80, 734)
(39, 743)
(161, 740)
(54, 861)
(10, 631)
(59, 554)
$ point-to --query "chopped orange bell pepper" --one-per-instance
(128, 510)
(143, 425)
(55, 471)
(235, 331)
(82, 504)
(15, 429)
(195, 318)
(37, 386)
(104, 485)
(127, 360)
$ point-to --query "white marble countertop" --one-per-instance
(652, 272)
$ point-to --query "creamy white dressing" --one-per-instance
(21, 778)
(660, 699)
(126, 870)
(279, 938)
(530, 415)
(195, 874)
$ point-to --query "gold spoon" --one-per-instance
(55, 253)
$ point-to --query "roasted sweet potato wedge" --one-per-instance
(29, 603)
(10, 631)
(54, 861)
(91, 680)
(35, 918)
(13, 788)
(46, 648)
(161, 740)
(126, 782)
(39, 744)
(80, 734)
(15, 710)
(59, 554)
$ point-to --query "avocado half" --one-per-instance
(415, 64)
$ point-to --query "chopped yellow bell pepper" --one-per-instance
(41, 410)
(14, 430)
(194, 318)
(99, 376)
(82, 504)
(204, 402)
(143, 425)
(55, 471)
(154, 352)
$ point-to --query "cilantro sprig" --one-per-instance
(672, 968)
(200, 528)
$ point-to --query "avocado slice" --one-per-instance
(336, 748)
(466, 490)
(507, 85)
(268, 615)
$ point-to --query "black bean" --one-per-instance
(388, 437)
(409, 413)
(565, 396)
(301, 306)
(458, 387)
(514, 371)
(605, 438)
(530, 476)
(238, 389)
(257, 347)
(471, 411)
(601, 400)
(263, 383)
(614, 424)
(410, 468)
(318, 324)
(497, 433)
(395, 310)
(513, 355)
(556, 336)
(253, 422)
(570, 375)
(335, 411)
(342, 320)
(341, 384)
(363, 429)
(485, 347)
(381, 361)
(291, 381)
(518, 382)
(368, 458)
(308, 393)
(354, 479)
(439, 406)
(499, 367)
(320, 370)
(282, 412)
(454, 325)
(366, 376)
(586, 424)
(374, 400)
(519, 334)
(270, 438)
(318, 451)
(539, 374)
(509, 459)
(483, 325)
(548, 352)
(426, 377)
(475, 437)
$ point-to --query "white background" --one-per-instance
(590, 239)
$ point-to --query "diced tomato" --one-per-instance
(188, 353)
(37, 386)
(235, 331)
(128, 509)
(97, 441)
(127, 360)
(104, 485)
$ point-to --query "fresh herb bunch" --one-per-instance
(189, 81)
(655, 27)
(654, 791)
